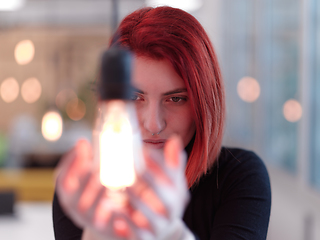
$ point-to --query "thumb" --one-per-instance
(74, 164)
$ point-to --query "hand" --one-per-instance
(155, 203)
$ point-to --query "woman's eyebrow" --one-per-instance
(137, 90)
(179, 90)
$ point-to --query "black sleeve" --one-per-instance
(245, 200)
(64, 228)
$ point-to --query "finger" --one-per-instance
(83, 182)
(170, 197)
(102, 214)
(137, 232)
(156, 222)
(156, 166)
(117, 227)
(172, 152)
(149, 194)
(161, 199)
(139, 219)
(90, 193)
(67, 183)
(120, 226)
(73, 165)
(93, 207)
(71, 202)
(163, 173)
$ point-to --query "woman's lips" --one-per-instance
(156, 144)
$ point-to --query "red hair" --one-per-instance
(172, 34)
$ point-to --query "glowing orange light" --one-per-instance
(292, 110)
(9, 90)
(24, 52)
(76, 109)
(52, 126)
(248, 89)
(11, 5)
(116, 165)
(31, 90)
(63, 97)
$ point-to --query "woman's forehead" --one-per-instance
(155, 75)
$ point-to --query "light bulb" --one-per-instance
(118, 145)
(120, 155)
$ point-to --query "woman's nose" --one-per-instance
(154, 119)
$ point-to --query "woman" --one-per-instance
(179, 91)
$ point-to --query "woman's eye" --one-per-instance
(177, 99)
(135, 97)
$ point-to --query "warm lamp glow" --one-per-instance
(52, 126)
(76, 109)
(9, 90)
(31, 90)
(116, 165)
(24, 52)
(63, 97)
(292, 110)
(248, 89)
(187, 5)
(11, 5)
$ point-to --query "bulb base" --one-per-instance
(115, 79)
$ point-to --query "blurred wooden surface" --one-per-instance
(29, 184)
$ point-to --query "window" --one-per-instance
(315, 99)
(262, 41)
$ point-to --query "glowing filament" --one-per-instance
(116, 154)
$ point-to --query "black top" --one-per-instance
(232, 201)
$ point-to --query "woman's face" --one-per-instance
(162, 102)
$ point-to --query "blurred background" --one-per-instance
(269, 52)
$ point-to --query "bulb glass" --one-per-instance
(118, 145)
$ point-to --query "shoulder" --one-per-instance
(235, 164)
(244, 192)
(236, 168)
(233, 200)
(238, 157)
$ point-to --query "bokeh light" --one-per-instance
(292, 110)
(248, 89)
(52, 126)
(9, 90)
(11, 5)
(24, 52)
(76, 109)
(63, 97)
(31, 90)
